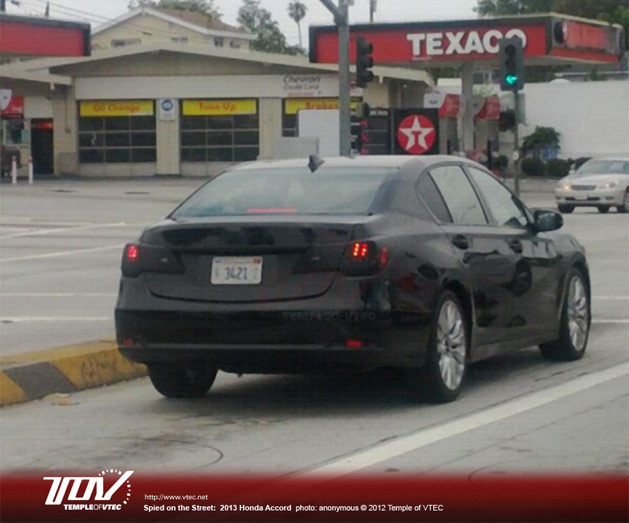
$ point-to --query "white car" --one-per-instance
(600, 182)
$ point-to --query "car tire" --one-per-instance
(565, 208)
(624, 208)
(442, 378)
(182, 380)
(574, 328)
(603, 209)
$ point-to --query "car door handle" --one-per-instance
(515, 245)
(461, 242)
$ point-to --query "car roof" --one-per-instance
(611, 158)
(383, 161)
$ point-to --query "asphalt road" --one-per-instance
(59, 268)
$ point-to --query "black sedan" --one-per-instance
(350, 264)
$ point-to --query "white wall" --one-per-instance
(592, 117)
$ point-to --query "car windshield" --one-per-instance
(602, 167)
(286, 191)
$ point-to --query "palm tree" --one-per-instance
(297, 11)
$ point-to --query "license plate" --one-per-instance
(581, 197)
(241, 270)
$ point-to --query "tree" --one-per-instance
(513, 7)
(297, 11)
(541, 138)
(259, 21)
(205, 7)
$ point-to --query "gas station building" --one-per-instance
(167, 108)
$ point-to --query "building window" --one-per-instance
(219, 131)
(179, 39)
(125, 41)
(219, 41)
(292, 106)
(234, 44)
(107, 136)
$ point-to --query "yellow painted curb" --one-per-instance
(33, 375)
(98, 368)
(10, 392)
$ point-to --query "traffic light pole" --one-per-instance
(341, 18)
(345, 120)
(516, 142)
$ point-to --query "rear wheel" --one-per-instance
(575, 322)
(603, 209)
(442, 378)
(182, 380)
(565, 208)
(625, 203)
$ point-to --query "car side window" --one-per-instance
(458, 193)
(500, 201)
(429, 193)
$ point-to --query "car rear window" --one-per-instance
(286, 191)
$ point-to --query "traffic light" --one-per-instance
(511, 70)
(506, 121)
(364, 62)
(359, 134)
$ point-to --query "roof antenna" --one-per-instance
(315, 162)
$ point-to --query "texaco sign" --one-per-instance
(547, 38)
(416, 134)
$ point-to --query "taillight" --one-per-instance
(364, 258)
(148, 258)
(132, 253)
(130, 265)
(360, 250)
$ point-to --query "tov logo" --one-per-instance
(93, 485)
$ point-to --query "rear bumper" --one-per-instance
(299, 336)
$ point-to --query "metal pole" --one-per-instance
(345, 137)
(341, 18)
(30, 170)
(516, 142)
(14, 170)
(372, 10)
(467, 118)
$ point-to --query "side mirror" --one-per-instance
(546, 220)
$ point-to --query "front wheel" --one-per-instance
(603, 209)
(182, 380)
(624, 208)
(565, 208)
(442, 378)
(575, 322)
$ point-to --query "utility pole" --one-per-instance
(341, 19)
(516, 140)
(373, 5)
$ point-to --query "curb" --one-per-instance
(34, 375)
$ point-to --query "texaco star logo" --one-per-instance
(416, 134)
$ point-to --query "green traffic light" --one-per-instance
(511, 79)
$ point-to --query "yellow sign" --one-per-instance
(117, 108)
(294, 105)
(218, 107)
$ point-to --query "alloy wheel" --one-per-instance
(578, 313)
(451, 345)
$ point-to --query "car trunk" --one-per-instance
(299, 257)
